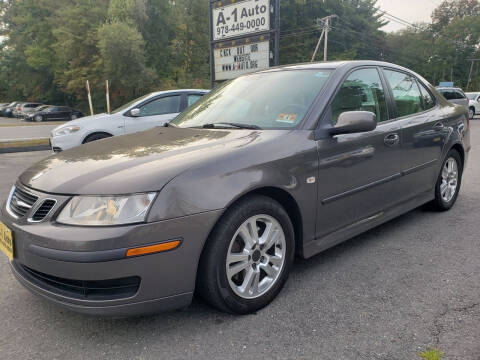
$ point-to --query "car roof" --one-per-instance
(337, 65)
(177, 91)
(448, 88)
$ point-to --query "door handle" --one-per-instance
(438, 126)
(392, 139)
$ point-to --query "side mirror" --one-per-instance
(135, 112)
(352, 122)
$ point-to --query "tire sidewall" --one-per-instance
(234, 302)
(443, 204)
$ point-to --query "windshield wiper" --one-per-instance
(237, 125)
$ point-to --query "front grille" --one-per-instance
(21, 202)
(43, 210)
(86, 290)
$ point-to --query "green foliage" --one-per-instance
(53, 46)
(440, 51)
(431, 354)
(122, 49)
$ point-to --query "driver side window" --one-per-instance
(161, 106)
(361, 91)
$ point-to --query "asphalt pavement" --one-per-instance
(390, 293)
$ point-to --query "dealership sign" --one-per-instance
(235, 58)
(240, 18)
(244, 36)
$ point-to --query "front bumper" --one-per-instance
(82, 255)
(66, 142)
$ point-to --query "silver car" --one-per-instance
(289, 161)
(23, 109)
(454, 95)
(474, 103)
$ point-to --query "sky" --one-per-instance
(409, 10)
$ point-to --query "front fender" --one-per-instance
(218, 182)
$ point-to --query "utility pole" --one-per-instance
(471, 71)
(325, 22)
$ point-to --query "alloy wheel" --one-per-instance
(449, 184)
(256, 256)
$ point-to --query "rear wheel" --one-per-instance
(448, 182)
(95, 137)
(471, 112)
(248, 256)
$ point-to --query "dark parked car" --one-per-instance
(53, 113)
(288, 161)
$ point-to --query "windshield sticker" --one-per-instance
(287, 118)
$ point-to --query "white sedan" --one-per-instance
(474, 103)
(144, 113)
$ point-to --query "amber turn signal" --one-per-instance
(151, 249)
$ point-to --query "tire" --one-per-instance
(95, 137)
(38, 118)
(471, 112)
(73, 117)
(225, 292)
(445, 199)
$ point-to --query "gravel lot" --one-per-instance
(387, 294)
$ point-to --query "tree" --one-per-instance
(122, 50)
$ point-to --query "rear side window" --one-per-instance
(406, 93)
(451, 94)
(361, 91)
(428, 101)
(459, 95)
(193, 98)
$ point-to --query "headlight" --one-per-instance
(66, 130)
(106, 210)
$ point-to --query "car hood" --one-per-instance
(137, 162)
(85, 121)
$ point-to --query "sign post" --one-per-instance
(244, 37)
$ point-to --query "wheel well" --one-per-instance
(459, 149)
(290, 206)
(96, 133)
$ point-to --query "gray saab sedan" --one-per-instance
(284, 162)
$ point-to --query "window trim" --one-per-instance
(394, 106)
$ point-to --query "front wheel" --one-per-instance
(448, 182)
(248, 256)
(471, 112)
(38, 118)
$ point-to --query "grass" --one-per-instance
(431, 354)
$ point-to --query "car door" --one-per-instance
(51, 114)
(154, 112)
(358, 173)
(63, 113)
(423, 131)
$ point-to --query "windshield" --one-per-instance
(270, 100)
(127, 105)
(472, 96)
